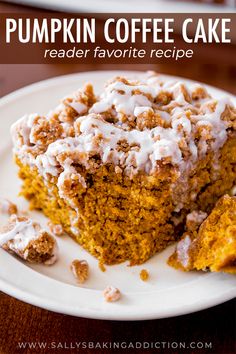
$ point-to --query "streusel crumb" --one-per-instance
(102, 266)
(25, 238)
(144, 275)
(111, 294)
(7, 207)
(195, 219)
(55, 229)
(80, 270)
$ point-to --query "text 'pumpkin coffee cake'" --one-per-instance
(120, 171)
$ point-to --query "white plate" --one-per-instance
(127, 6)
(167, 293)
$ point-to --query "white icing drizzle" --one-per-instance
(183, 250)
(233, 191)
(91, 126)
(79, 107)
(218, 126)
(178, 94)
(22, 128)
(124, 102)
(140, 110)
(196, 216)
(22, 233)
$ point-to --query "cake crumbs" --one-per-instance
(111, 294)
(28, 240)
(7, 207)
(144, 275)
(195, 219)
(80, 270)
(102, 266)
(55, 229)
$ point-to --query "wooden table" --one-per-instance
(20, 322)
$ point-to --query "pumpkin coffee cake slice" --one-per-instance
(121, 170)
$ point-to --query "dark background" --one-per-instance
(23, 322)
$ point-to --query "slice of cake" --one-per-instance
(120, 171)
(212, 245)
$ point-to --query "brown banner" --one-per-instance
(116, 38)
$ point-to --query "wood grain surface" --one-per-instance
(23, 323)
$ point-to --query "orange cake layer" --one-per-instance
(120, 171)
(212, 246)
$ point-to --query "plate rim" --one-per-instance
(106, 8)
(53, 307)
(39, 84)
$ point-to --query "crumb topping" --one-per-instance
(111, 294)
(182, 250)
(144, 275)
(28, 240)
(55, 229)
(195, 219)
(137, 126)
(7, 207)
(33, 133)
(80, 270)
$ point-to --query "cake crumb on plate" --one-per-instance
(144, 275)
(7, 207)
(111, 294)
(55, 229)
(80, 270)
